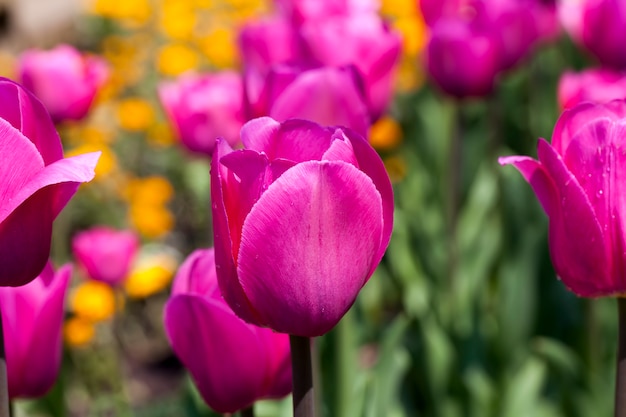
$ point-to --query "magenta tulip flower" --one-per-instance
(65, 80)
(303, 10)
(328, 96)
(302, 216)
(363, 40)
(232, 363)
(462, 58)
(203, 107)
(32, 320)
(578, 180)
(35, 183)
(598, 85)
(106, 254)
(597, 25)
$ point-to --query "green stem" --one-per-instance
(454, 173)
(620, 377)
(303, 395)
(345, 363)
(4, 386)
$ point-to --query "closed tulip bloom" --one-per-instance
(599, 26)
(366, 42)
(105, 253)
(35, 183)
(462, 59)
(65, 80)
(32, 320)
(597, 85)
(328, 96)
(232, 363)
(302, 216)
(203, 107)
(578, 179)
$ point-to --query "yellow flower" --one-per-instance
(176, 58)
(94, 301)
(161, 134)
(385, 134)
(135, 114)
(413, 30)
(8, 65)
(134, 12)
(107, 163)
(398, 8)
(220, 48)
(78, 331)
(152, 221)
(152, 274)
(153, 190)
(178, 20)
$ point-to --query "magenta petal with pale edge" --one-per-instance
(225, 358)
(302, 269)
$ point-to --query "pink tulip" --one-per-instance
(328, 96)
(462, 58)
(203, 107)
(599, 26)
(35, 183)
(232, 363)
(303, 10)
(65, 80)
(598, 85)
(363, 40)
(579, 181)
(106, 254)
(302, 216)
(32, 318)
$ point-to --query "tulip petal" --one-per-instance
(370, 163)
(258, 134)
(579, 253)
(340, 150)
(308, 246)
(224, 260)
(233, 384)
(28, 115)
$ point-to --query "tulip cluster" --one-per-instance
(472, 42)
(293, 69)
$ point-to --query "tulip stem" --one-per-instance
(5, 406)
(620, 378)
(302, 371)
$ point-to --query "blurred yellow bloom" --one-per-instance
(148, 280)
(398, 8)
(152, 221)
(135, 12)
(135, 114)
(178, 20)
(94, 301)
(176, 58)
(154, 190)
(78, 331)
(410, 74)
(413, 30)
(107, 163)
(220, 48)
(385, 134)
(8, 65)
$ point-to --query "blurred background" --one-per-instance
(464, 316)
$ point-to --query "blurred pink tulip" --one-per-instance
(65, 80)
(302, 216)
(462, 59)
(303, 10)
(203, 107)
(598, 85)
(32, 318)
(232, 363)
(328, 96)
(36, 182)
(579, 180)
(599, 26)
(106, 254)
(363, 40)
